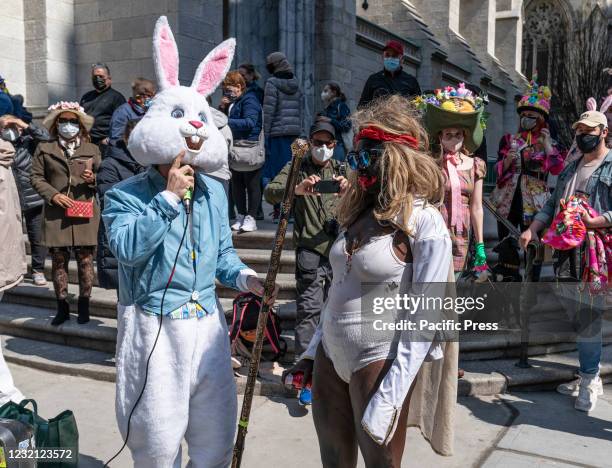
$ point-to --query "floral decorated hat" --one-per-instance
(64, 106)
(537, 98)
(455, 107)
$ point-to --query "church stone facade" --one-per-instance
(49, 45)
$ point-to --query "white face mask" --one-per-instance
(68, 130)
(9, 134)
(452, 145)
(322, 153)
(324, 96)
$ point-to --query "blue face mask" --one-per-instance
(391, 63)
(147, 103)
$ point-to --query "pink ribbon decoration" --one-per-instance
(456, 218)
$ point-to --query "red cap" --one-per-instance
(395, 46)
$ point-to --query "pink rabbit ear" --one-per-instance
(591, 104)
(605, 106)
(214, 67)
(165, 54)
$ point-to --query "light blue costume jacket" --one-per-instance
(144, 232)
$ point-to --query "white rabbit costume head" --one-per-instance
(179, 117)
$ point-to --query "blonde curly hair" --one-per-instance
(405, 173)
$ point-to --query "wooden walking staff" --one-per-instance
(298, 148)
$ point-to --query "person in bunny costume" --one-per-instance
(168, 262)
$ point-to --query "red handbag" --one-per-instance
(80, 209)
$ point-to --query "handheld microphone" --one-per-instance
(187, 200)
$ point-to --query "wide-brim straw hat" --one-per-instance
(437, 119)
(58, 108)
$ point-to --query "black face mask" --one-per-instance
(270, 69)
(99, 83)
(587, 143)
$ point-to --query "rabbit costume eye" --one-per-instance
(179, 120)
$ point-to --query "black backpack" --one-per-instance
(244, 325)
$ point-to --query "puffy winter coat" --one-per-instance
(117, 166)
(25, 146)
(245, 117)
(283, 106)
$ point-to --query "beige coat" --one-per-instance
(50, 175)
(12, 253)
(434, 397)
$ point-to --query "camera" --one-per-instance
(327, 186)
(331, 227)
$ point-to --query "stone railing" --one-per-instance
(374, 36)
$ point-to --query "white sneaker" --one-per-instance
(571, 388)
(39, 279)
(249, 224)
(238, 224)
(590, 388)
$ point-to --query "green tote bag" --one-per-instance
(59, 432)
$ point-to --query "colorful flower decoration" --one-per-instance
(537, 97)
(459, 99)
(67, 106)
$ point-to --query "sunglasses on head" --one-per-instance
(362, 158)
(68, 121)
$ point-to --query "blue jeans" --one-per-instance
(278, 154)
(589, 341)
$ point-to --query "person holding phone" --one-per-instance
(64, 174)
(315, 229)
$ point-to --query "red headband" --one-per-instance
(377, 134)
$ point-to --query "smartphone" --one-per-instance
(80, 165)
(327, 186)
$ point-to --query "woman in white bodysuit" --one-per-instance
(391, 233)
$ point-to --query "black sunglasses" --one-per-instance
(362, 158)
(66, 121)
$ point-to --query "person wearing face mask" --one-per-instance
(314, 230)
(25, 137)
(283, 109)
(392, 79)
(454, 117)
(251, 77)
(143, 92)
(247, 154)
(589, 176)
(525, 160)
(64, 174)
(338, 112)
(100, 103)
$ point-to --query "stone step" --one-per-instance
(103, 302)
(99, 334)
(99, 365)
(481, 377)
(286, 281)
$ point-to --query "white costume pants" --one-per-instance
(8, 391)
(190, 390)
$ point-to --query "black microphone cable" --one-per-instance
(161, 318)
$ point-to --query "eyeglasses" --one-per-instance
(362, 158)
(68, 121)
(319, 143)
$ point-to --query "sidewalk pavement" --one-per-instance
(528, 429)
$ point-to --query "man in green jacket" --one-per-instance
(315, 228)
